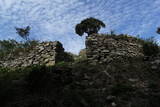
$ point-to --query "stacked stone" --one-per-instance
(44, 53)
(104, 49)
(155, 63)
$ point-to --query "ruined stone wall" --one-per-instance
(47, 53)
(104, 48)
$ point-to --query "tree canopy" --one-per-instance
(23, 32)
(89, 26)
(158, 30)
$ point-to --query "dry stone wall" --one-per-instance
(47, 53)
(105, 49)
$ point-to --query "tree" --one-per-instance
(158, 30)
(112, 32)
(23, 32)
(89, 26)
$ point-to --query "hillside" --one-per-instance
(121, 71)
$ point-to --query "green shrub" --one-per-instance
(37, 78)
(121, 88)
(81, 57)
(43, 79)
(10, 48)
(8, 84)
(6, 47)
(62, 64)
(150, 47)
(6, 91)
(67, 57)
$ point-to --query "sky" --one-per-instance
(55, 20)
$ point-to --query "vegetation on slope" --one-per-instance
(78, 85)
(12, 48)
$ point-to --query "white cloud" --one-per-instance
(56, 19)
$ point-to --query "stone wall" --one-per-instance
(106, 48)
(47, 53)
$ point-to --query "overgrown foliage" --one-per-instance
(89, 26)
(150, 47)
(79, 85)
(158, 30)
(82, 56)
(10, 48)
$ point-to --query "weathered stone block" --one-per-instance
(108, 48)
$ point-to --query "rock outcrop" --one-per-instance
(105, 48)
(47, 53)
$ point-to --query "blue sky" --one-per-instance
(55, 19)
